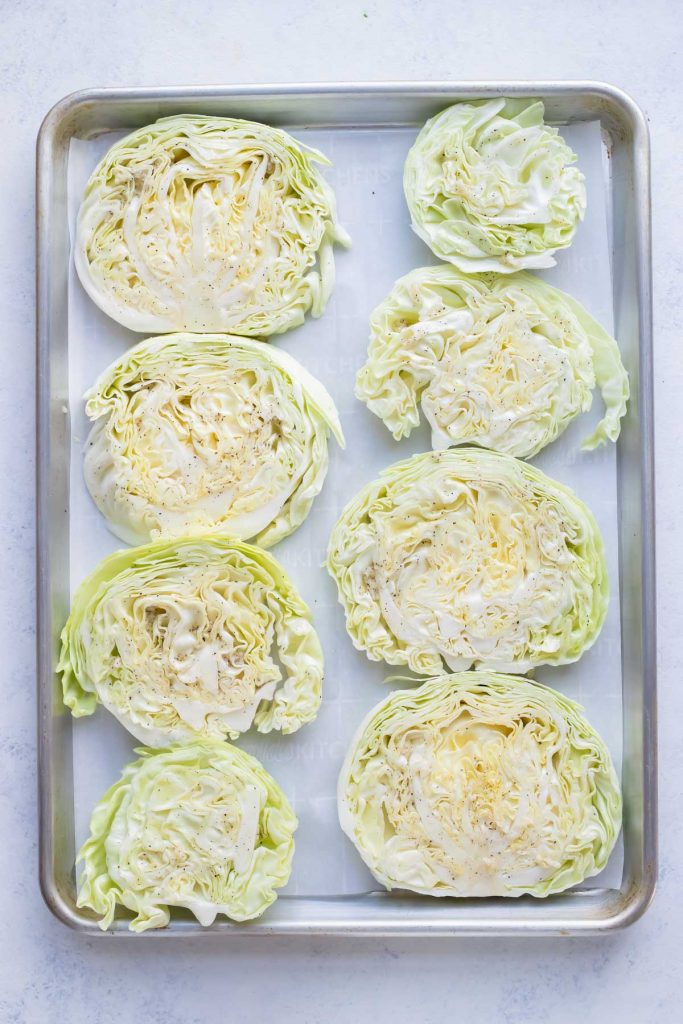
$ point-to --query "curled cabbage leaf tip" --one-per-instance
(202, 637)
(506, 363)
(490, 186)
(208, 224)
(200, 432)
(480, 785)
(471, 558)
(204, 827)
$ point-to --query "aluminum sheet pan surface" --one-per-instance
(366, 174)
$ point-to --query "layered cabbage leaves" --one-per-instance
(479, 784)
(199, 432)
(204, 827)
(506, 363)
(491, 187)
(471, 558)
(201, 637)
(200, 223)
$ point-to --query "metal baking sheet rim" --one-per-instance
(588, 912)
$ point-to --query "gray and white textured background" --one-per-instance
(51, 48)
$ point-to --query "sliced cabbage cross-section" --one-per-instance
(204, 827)
(490, 186)
(478, 784)
(471, 558)
(199, 432)
(503, 362)
(201, 637)
(200, 223)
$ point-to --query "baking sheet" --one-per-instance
(366, 175)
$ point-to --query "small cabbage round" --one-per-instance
(490, 186)
(204, 827)
(480, 785)
(506, 363)
(200, 637)
(208, 224)
(471, 558)
(200, 432)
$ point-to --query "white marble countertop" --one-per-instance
(49, 49)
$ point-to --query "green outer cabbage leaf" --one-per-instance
(199, 432)
(208, 224)
(203, 827)
(490, 187)
(177, 640)
(478, 784)
(502, 362)
(472, 557)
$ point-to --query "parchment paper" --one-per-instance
(366, 175)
